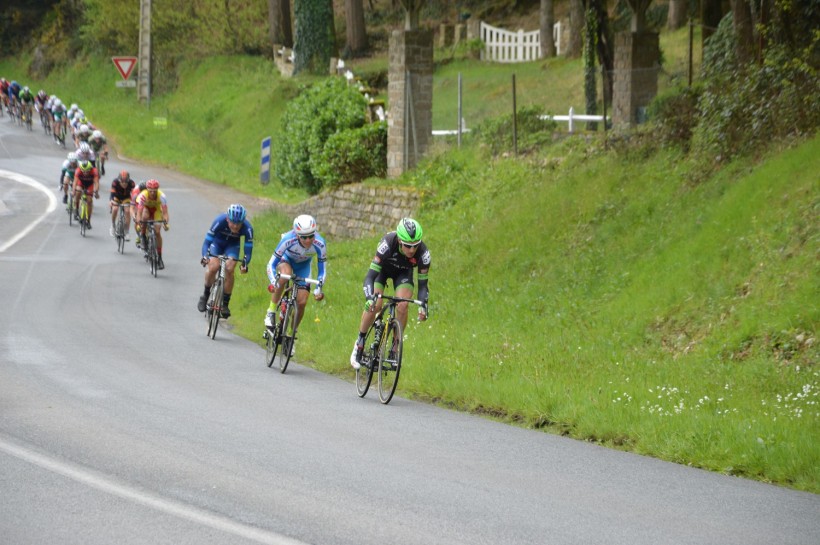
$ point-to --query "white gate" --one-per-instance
(505, 46)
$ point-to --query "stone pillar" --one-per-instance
(635, 81)
(410, 95)
(446, 35)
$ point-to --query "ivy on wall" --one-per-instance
(315, 36)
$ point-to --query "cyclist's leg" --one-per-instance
(303, 270)
(284, 268)
(404, 288)
(115, 210)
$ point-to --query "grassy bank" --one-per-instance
(601, 296)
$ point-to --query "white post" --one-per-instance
(571, 125)
(520, 55)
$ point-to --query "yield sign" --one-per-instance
(125, 65)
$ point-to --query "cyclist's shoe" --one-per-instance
(127, 237)
(65, 199)
(226, 312)
(76, 216)
(111, 230)
(203, 301)
(269, 319)
(356, 355)
(160, 263)
(139, 242)
(88, 224)
(292, 350)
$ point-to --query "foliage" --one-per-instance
(315, 36)
(309, 121)
(675, 115)
(590, 43)
(353, 155)
(745, 107)
(532, 131)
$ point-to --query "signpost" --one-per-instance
(125, 65)
(264, 168)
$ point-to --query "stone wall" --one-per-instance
(357, 210)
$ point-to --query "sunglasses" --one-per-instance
(307, 237)
(406, 245)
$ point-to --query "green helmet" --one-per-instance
(409, 231)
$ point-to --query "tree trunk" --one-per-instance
(605, 47)
(547, 22)
(711, 12)
(677, 14)
(744, 31)
(356, 30)
(281, 30)
(575, 43)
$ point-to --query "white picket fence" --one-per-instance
(506, 46)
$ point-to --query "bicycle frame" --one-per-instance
(283, 337)
(214, 306)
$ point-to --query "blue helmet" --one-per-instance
(236, 213)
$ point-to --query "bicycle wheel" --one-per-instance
(389, 361)
(364, 374)
(215, 307)
(70, 210)
(120, 232)
(272, 343)
(288, 336)
(83, 215)
(152, 253)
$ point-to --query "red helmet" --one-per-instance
(152, 184)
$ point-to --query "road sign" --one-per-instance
(124, 65)
(127, 83)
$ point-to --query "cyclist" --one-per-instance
(85, 153)
(99, 145)
(67, 174)
(86, 182)
(82, 134)
(223, 239)
(60, 116)
(134, 194)
(293, 255)
(398, 253)
(152, 205)
(4, 95)
(40, 102)
(121, 189)
(13, 93)
(26, 98)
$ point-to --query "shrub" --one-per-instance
(675, 115)
(353, 155)
(308, 122)
(533, 131)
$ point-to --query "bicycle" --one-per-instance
(213, 308)
(383, 351)
(119, 227)
(69, 207)
(283, 334)
(83, 213)
(102, 157)
(45, 121)
(27, 115)
(61, 133)
(152, 251)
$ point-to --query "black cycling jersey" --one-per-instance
(391, 263)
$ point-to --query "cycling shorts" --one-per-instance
(400, 277)
(225, 247)
(153, 214)
(300, 269)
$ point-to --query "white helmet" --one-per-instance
(58, 102)
(74, 107)
(72, 157)
(83, 128)
(96, 134)
(84, 147)
(304, 225)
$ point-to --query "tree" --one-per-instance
(547, 22)
(576, 28)
(281, 31)
(744, 30)
(412, 9)
(711, 12)
(677, 14)
(315, 36)
(356, 31)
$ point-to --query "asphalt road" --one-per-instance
(121, 422)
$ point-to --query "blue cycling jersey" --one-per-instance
(221, 234)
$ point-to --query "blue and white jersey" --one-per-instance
(221, 234)
(289, 249)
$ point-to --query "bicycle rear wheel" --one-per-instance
(120, 233)
(214, 308)
(288, 336)
(389, 361)
(364, 374)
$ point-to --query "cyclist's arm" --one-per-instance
(370, 280)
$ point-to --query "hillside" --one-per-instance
(614, 294)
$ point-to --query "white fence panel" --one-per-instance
(506, 46)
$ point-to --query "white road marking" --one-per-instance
(142, 497)
(52, 205)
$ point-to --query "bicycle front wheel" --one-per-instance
(214, 308)
(364, 374)
(389, 361)
(153, 256)
(272, 337)
(288, 337)
(83, 215)
(120, 232)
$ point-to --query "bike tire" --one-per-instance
(364, 374)
(83, 215)
(152, 254)
(390, 351)
(120, 231)
(215, 308)
(271, 344)
(70, 209)
(288, 336)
